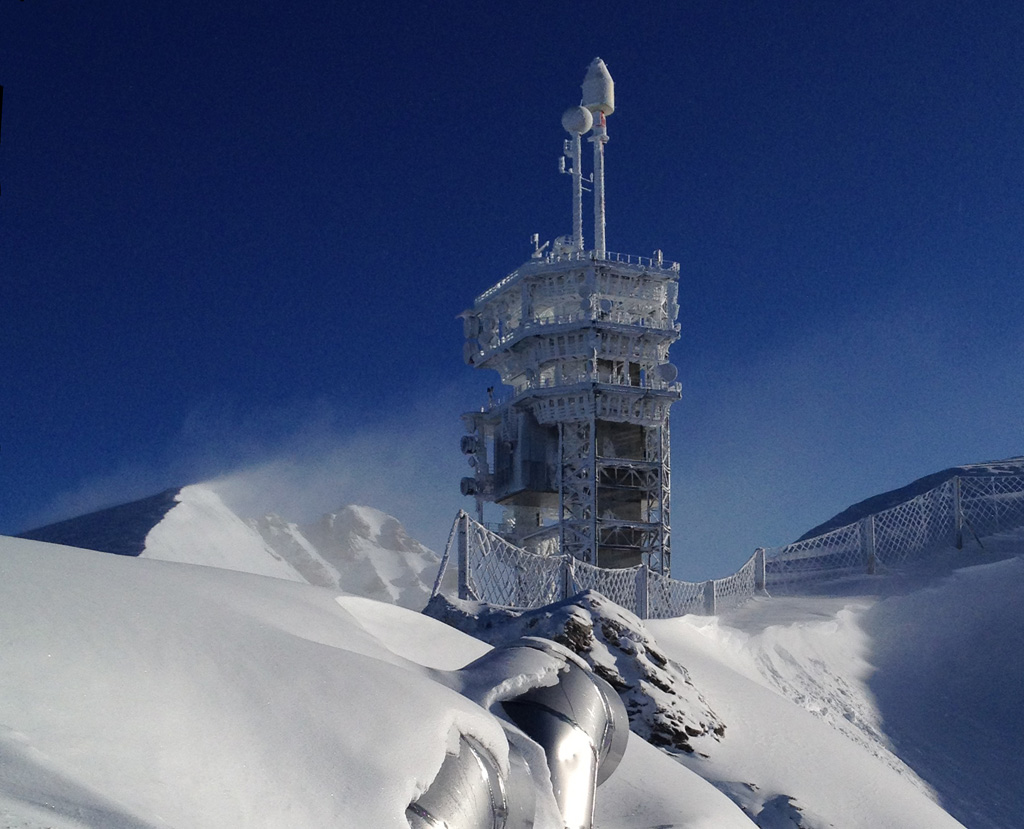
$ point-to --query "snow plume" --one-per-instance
(406, 465)
(302, 460)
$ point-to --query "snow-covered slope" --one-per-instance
(917, 673)
(949, 689)
(138, 694)
(357, 549)
(144, 693)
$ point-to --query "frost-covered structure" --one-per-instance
(577, 449)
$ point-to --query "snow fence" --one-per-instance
(493, 570)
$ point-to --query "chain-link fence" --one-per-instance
(963, 506)
(493, 570)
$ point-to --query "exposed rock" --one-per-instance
(664, 706)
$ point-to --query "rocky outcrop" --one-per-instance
(663, 705)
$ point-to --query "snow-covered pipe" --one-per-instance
(582, 725)
(547, 693)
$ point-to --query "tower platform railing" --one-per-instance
(533, 325)
(650, 263)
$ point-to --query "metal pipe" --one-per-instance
(576, 718)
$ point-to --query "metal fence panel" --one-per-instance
(668, 597)
(618, 585)
(907, 531)
(992, 504)
(498, 572)
(503, 574)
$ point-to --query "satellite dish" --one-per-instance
(606, 305)
(469, 351)
(468, 486)
(471, 327)
(577, 120)
(667, 372)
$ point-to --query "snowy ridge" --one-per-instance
(359, 550)
(121, 529)
(200, 529)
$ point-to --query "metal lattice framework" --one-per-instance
(493, 570)
(582, 439)
(577, 489)
(835, 552)
(908, 530)
(497, 569)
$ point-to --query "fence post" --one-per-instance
(958, 513)
(709, 597)
(462, 546)
(643, 606)
(759, 569)
(867, 542)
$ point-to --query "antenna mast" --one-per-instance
(576, 121)
(599, 98)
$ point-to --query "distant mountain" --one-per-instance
(878, 503)
(358, 550)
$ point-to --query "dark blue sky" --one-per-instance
(239, 233)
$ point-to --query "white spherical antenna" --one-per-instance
(577, 120)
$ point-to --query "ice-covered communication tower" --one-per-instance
(577, 450)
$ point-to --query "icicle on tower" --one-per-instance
(577, 449)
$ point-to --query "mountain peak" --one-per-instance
(355, 522)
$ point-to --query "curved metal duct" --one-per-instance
(549, 694)
(470, 791)
(582, 725)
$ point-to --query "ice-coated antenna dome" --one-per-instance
(599, 88)
(577, 120)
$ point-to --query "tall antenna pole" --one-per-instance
(577, 192)
(576, 121)
(599, 98)
(599, 139)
